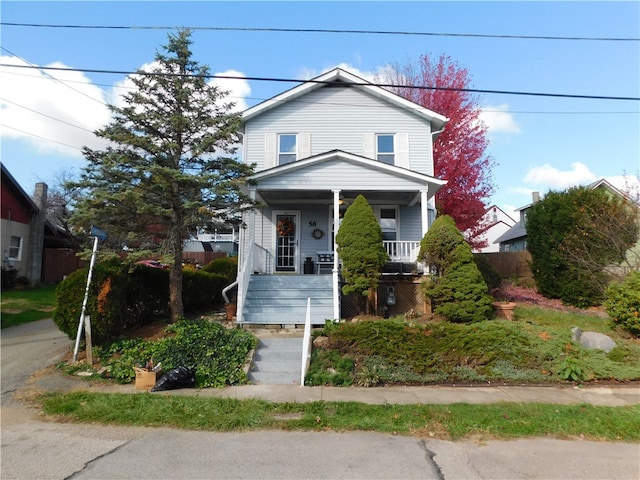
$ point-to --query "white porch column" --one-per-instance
(424, 209)
(336, 280)
(245, 251)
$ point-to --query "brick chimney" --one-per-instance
(36, 235)
(535, 196)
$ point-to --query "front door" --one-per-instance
(287, 241)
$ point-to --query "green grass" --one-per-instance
(456, 421)
(27, 305)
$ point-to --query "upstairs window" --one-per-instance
(385, 148)
(287, 148)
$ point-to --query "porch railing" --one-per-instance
(402, 250)
(218, 237)
(260, 260)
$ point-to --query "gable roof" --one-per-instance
(517, 231)
(340, 76)
(8, 181)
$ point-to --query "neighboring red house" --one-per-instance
(36, 248)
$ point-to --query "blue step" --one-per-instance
(282, 299)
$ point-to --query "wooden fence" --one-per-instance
(512, 265)
(58, 263)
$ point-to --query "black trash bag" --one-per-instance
(180, 377)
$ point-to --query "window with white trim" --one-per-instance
(388, 220)
(385, 148)
(287, 148)
(15, 248)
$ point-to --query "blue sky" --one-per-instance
(537, 143)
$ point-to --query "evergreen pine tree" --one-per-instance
(360, 248)
(168, 167)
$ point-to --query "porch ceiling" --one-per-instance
(326, 197)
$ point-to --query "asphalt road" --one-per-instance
(33, 448)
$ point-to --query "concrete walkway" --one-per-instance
(562, 395)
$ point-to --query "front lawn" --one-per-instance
(534, 348)
(27, 305)
(453, 422)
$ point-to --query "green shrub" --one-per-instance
(573, 236)
(9, 278)
(457, 290)
(225, 266)
(623, 303)
(122, 297)
(106, 302)
(490, 275)
(218, 354)
(360, 247)
(202, 290)
(147, 293)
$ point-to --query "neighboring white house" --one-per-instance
(316, 147)
(494, 223)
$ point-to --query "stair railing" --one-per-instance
(306, 344)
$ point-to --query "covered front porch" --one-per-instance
(293, 234)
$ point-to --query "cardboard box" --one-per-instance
(145, 380)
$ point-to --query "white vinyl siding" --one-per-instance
(326, 175)
(340, 119)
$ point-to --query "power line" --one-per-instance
(327, 30)
(43, 70)
(342, 104)
(360, 84)
(39, 136)
(45, 115)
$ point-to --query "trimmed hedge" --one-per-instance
(225, 266)
(122, 297)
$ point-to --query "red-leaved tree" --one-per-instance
(459, 151)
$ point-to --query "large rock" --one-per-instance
(593, 340)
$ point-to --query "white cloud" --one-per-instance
(59, 115)
(55, 115)
(552, 178)
(498, 119)
(238, 89)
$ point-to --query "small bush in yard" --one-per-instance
(106, 303)
(225, 266)
(218, 354)
(457, 290)
(623, 303)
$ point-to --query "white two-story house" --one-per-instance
(316, 147)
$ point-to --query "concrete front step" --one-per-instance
(277, 361)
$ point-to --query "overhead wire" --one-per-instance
(342, 104)
(39, 136)
(44, 72)
(297, 30)
(45, 115)
(324, 30)
(361, 84)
